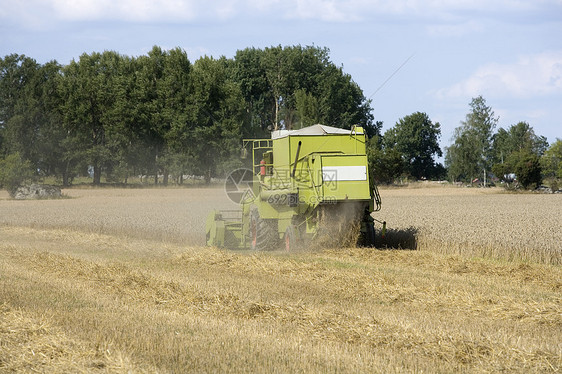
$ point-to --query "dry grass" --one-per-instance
(32, 344)
(127, 296)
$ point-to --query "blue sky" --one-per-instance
(510, 52)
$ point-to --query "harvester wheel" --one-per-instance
(263, 236)
(369, 238)
(290, 238)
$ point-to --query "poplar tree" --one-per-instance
(470, 155)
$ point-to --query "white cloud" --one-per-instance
(325, 10)
(455, 29)
(453, 11)
(129, 10)
(434, 11)
(530, 76)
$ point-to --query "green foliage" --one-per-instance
(91, 93)
(525, 165)
(470, 155)
(517, 137)
(385, 164)
(527, 168)
(551, 161)
(476, 149)
(160, 114)
(502, 169)
(307, 108)
(292, 87)
(213, 132)
(416, 138)
(21, 109)
(518, 150)
(14, 171)
(162, 90)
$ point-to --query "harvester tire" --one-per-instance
(369, 236)
(263, 236)
(290, 239)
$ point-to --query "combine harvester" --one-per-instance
(307, 187)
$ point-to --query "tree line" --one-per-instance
(159, 114)
(513, 154)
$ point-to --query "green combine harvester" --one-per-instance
(306, 187)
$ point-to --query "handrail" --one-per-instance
(296, 159)
(378, 200)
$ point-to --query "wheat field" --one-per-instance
(481, 222)
(117, 281)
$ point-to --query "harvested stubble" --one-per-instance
(167, 308)
(31, 344)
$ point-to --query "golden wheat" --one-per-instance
(163, 214)
(479, 222)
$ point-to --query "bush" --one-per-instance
(525, 165)
(554, 184)
(527, 169)
(14, 171)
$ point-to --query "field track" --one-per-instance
(117, 281)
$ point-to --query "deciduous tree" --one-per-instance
(416, 138)
(470, 155)
(551, 161)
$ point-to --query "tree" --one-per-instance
(159, 114)
(51, 145)
(517, 151)
(416, 138)
(385, 164)
(291, 87)
(250, 74)
(551, 161)
(527, 168)
(516, 138)
(30, 105)
(470, 154)
(307, 108)
(19, 105)
(211, 132)
(342, 101)
(163, 88)
(14, 171)
(91, 89)
(523, 138)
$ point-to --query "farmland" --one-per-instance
(118, 280)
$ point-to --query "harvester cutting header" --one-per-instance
(307, 186)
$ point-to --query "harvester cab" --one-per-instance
(305, 187)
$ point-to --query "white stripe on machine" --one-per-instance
(344, 173)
